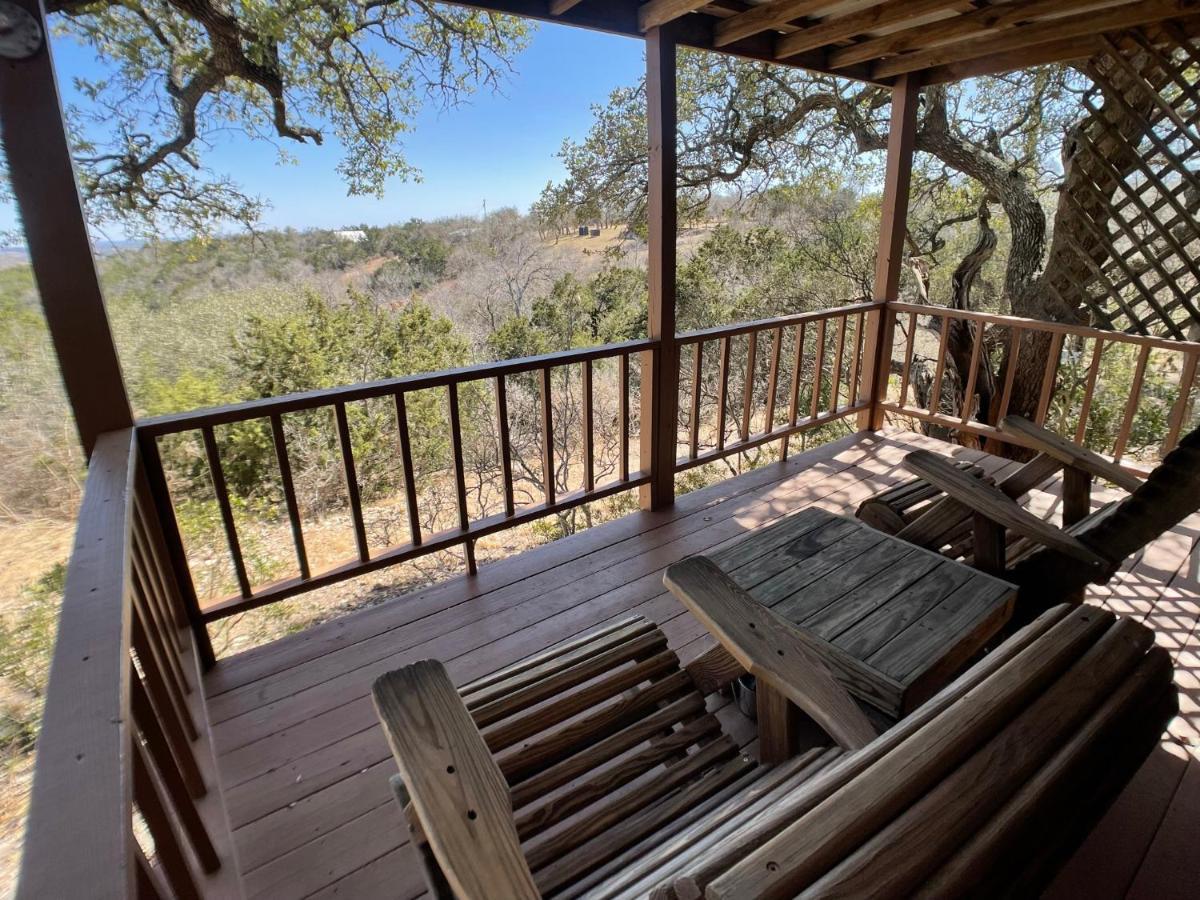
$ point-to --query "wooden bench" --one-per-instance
(594, 770)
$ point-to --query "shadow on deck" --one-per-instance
(305, 766)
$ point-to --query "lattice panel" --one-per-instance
(1132, 188)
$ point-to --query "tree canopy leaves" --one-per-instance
(180, 74)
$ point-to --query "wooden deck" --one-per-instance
(305, 766)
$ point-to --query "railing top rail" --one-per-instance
(1050, 327)
(79, 814)
(720, 331)
(257, 409)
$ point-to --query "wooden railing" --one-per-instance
(124, 797)
(818, 358)
(470, 525)
(742, 386)
(1086, 346)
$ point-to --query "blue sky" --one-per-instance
(498, 148)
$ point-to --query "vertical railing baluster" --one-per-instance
(722, 391)
(1049, 376)
(170, 542)
(505, 444)
(1135, 394)
(1014, 354)
(906, 372)
(772, 381)
(589, 439)
(172, 707)
(968, 404)
(818, 370)
(623, 415)
(835, 388)
(460, 474)
(157, 631)
(289, 494)
(856, 359)
(794, 403)
(410, 478)
(748, 392)
(180, 777)
(161, 750)
(1179, 412)
(222, 491)
(159, 593)
(935, 399)
(167, 848)
(350, 472)
(694, 424)
(548, 436)
(1089, 388)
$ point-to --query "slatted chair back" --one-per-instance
(603, 743)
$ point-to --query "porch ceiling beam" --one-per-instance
(660, 12)
(1035, 33)
(1068, 50)
(558, 7)
(978, 23)
(880, 15)
(765, 17)
(694, 31)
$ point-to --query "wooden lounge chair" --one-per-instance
(919, 512)
(1046, 562)
(938, 508)
(593, 770)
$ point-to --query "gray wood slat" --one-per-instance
(870, 633)
(944, 624)
(859, 591)
(786, 582)
(754, 545)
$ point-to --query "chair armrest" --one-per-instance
(769, 648)
(1067, 453)
(454, 784)
(992, 503)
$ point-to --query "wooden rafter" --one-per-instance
(558, 7)
(660, 12)
(1031, 34)
(971, 24)
(871, 40)
(764, 17)
(881, 15)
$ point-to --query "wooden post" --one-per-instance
(660, 368)
(43, 182)
(890, 258)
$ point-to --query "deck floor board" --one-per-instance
(304, 765)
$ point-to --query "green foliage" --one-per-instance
(611, 307)
(26, 640)
(325, 344)
(174, 77)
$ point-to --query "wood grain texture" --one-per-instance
(998, 506)
(769, 648)
(82, 786)
(1068, 453)
(806, 850)
(455, 786)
